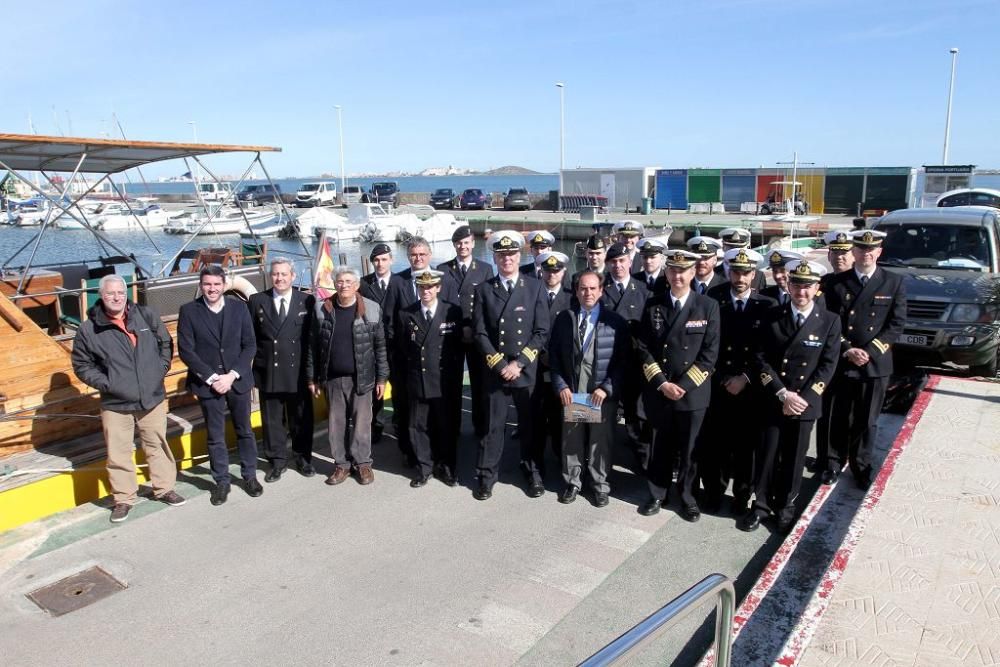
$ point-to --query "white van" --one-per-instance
(321, 193)
(215, 191)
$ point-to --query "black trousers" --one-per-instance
(401, 407)
(478, 403)
(283, 415)
(856, 407)
(779, 467)
(492, 444)
(721, 457)
(823, 425)
(213, 409)
(675, 434)
(547, 416)
(433, 433)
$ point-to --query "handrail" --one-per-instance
(669, 615)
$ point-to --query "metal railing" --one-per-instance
(669, 615)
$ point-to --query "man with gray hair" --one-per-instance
(282, 319)
(347, 358)
(123, 350)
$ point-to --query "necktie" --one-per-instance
(584, 316)
(510, 286)
(799, 320)
(381, 285)
(281, 310)
(784, 298)
(427, 315)
(621, 289)
(864, 280)
(676, 304)
(465, 270)
(650, 280)
(415, 293)
(701, 288)
(739, 305)
(552, 297)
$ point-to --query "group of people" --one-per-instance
(718, 378)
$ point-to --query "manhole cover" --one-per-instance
(76, 591)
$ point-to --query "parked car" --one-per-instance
(474, 198)
(950, 262)
(443, 198)
(321, 193)
(352, 194)
(215, 191)
(255, 195)
(384, 192)
(516, 198)
(970, 197)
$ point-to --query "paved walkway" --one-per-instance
(922, 586)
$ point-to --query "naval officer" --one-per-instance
(539, 241)
(375, 287)
(737, 237)
(652, 273)
(705, 275)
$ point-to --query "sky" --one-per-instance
(670, 83)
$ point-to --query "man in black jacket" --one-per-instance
(707, 272)
(282, 319)
(777, 259)
(347, 359)
(677, 346)
(215, 339)
(589, 352)
(796, 356)
(652, 273)
(123, 351)
(430, 335)
(871, 303)
(375, 287)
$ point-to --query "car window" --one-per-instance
(927, 245)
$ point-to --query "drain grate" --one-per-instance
(76, 591)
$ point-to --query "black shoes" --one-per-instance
(568, 495)
(274, 474)
(443, 473)
(305, 468)
(253, 487)
(600, 499)
(419, 481)
(785, 524)
(535, 490)
(749, 522)
(863, 479)
(650, 507)
(828, 477)
(690, 513)
(483, 492)
(220, 494)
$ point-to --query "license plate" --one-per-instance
(913, 339)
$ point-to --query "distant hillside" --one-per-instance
(511, 171)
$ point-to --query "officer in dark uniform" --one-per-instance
(511, 319)
(705, 274)
(595, 248)
(545, 404)
(737, 237)
(871, 303)
(777, 259)
(677, 345)
(798, 347)
(652, 273)
(282, 316)
(375, 286)
(628, 233)
(463, 275)
(540, 242)
(430, 335)
(735, 400)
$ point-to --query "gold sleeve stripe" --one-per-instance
(765, 378)
(818, 387)
(530, 354)
(880, 346)
(493, 359)
(697, 376)
(651, 370)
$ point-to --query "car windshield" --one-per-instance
(472, 193)
(309, 187)
(207, 187)
(384, 188)
(938, 246)
(352, 189)
(443, 192)
(253, 188)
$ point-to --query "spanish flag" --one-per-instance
(323, 270)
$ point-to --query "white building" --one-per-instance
(624, 187)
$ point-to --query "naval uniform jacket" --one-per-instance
(659, 285)
(511, 326)
(433, 352)
(680, 347)
(630, 304)
(871, 318)
(739, 332)
(718, 278)
(799, 359)
(207, 354)
(279, 365)
(564, 300)
(371, 290)
(463, 288)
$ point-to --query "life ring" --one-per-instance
(239, 287)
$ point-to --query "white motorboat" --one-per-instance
(27, 215)
(116, 216)
(380, 225)
(265, 230)
(230, 220)
(317, 220)
(438, 227)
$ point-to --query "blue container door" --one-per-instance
(671, 190)
(736, 190)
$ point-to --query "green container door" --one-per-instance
(843, 193)
(704, 186)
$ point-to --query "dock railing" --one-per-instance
(664, 618)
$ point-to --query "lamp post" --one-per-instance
(340, 130)
(562, 136)
(947, 118)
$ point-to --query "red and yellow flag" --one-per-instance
(323, 270)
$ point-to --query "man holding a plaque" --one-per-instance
(588, 353)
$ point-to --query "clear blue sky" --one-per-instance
(723, 83)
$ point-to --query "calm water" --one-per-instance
(539, 183)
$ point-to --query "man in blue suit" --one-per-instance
(215, 339)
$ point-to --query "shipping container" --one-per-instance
(844, 189)
(738, 186)
(704, 185)
(671, 189)
(623, 187)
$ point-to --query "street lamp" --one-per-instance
(562, 136)
(340, 129)
(947, 119)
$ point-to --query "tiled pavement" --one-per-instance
(923, 585)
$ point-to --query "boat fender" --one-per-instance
(240, 287)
